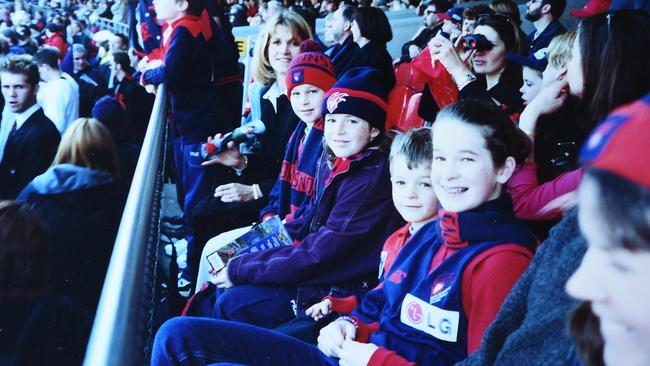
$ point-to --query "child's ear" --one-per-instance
(505, 172)
(374, 132)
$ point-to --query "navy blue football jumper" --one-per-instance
(419, 309)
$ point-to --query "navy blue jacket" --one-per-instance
(194, 75)
(341, 233)
(555, 28)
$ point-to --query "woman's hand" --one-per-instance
(331, 338)
(220, 278)
(320, 310)
(235, 192)
(355, 353)
(443, 50)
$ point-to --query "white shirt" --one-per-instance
(8, 119)
(60, 101)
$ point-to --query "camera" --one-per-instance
(477, 42)
(246, 133)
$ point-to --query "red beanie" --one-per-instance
(621, 143)
(312, 68)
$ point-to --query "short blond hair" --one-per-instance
(88, 143)
(262, 70)
(559, 50)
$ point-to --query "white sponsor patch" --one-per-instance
(439, 323)
(382, 262)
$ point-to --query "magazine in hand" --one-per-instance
(265, 235)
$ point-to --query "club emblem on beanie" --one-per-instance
(334, 100)
(310, 67)
(298, 76)
(359, 92)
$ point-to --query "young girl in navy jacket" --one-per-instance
(341, 230)
(444, 287)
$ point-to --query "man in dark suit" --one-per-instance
(338, 30)
(32, 141)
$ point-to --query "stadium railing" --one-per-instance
(122, 331)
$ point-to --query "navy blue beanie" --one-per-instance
(110, 112)
(359, 92)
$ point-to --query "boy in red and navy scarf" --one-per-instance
(295, 185)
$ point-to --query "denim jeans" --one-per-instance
(263, 306)
(192, 341)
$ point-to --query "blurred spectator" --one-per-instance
(54, 37)
(77, 34)
(28, 139)
(5, 14)
(339, 30)
(91, 84)
(110, 112)
(25, 39)
(507, 7)
(38, 327)
(59, 92)
(39, 20)
(371, 31)
(237, 13)
(135, 100)
(119, 10)
(273, 7)
(432, 24)
(544, 15)
(470, 15)
(12, 37)
(79, 197)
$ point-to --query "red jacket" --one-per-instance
(57, 41)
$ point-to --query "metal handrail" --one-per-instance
(119, 335)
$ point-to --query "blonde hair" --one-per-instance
(559, 50)
(262, 70)
(88, 143)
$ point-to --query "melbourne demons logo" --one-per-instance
(397, 277)
(298, 76)
(334, 100)
(414, 312)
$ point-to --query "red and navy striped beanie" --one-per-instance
(310, 67)
(359, 92)
(620, 143)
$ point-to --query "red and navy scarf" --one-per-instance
(295, 184)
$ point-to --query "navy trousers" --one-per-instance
(192, 341)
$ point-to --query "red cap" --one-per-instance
(620, 143)
(593, 7)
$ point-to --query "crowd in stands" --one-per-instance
(481, 199)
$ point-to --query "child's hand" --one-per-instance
(320, 310)
(355, 353)
(331, 338)
(220, 278)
